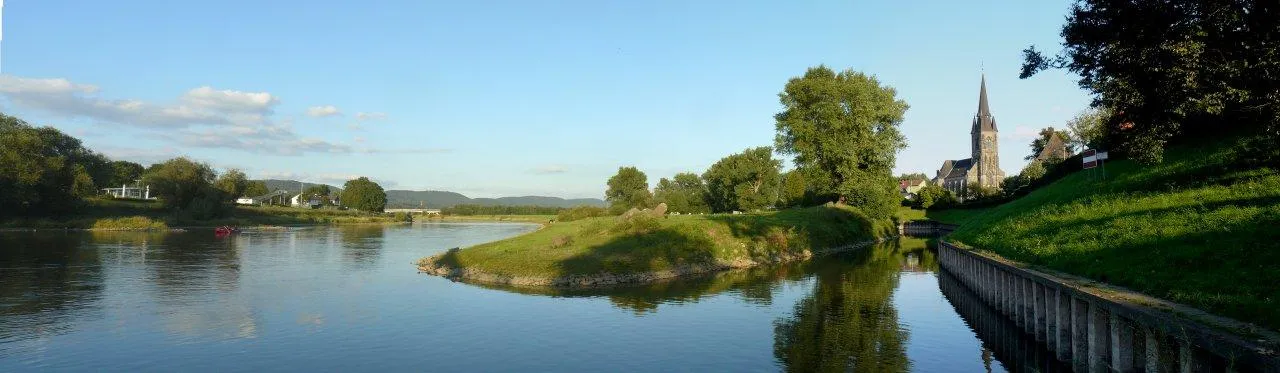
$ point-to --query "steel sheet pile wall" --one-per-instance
(1096, 334)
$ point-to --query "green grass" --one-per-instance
(956, 216)
(129, 223)
(110, 214)
(908, 214)
(498, 218)
(1199, 229)
(616, 246)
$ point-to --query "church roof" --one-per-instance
(959, 168)
(1054, 148)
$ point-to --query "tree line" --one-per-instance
(839, 128)
(474, 209)
(45, 172)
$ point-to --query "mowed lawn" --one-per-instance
(1199, 229)
(644, 244)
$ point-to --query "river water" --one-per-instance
(349, 298)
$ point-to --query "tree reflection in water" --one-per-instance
(361, 244)
(48, 281)
(849, 322)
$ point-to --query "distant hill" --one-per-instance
(291, 185)
(442, 199)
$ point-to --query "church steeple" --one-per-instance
(983, 121)
(983, 111)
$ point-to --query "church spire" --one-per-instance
(983, 111)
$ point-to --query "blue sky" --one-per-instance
(493, 98)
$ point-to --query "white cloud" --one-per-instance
(323, 111)
(202, 106)
(201, 117)
(550, 170)
(231, 101)
(362, 116)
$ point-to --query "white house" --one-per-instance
(311, 202)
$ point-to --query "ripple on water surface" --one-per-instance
(349, 298)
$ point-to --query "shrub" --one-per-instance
(637, 224)
(132, 222)
(581, 212)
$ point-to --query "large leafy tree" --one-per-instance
(629, 188)
(793, 192)
(124, 173)
(364, 195)
(44, 171)
(233, 183)
(842, 129)
(1089, 128)
(256, 188)
(187, 186)
(683, 193)
(179, 182)
(1173, 68)
(745, 181)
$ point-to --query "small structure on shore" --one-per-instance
(125, 191)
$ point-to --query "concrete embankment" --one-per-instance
(1096, 327)
(432, 265)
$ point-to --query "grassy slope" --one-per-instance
(956, 216)
(604, 245)
(127, 214)
(1196, 229)
(495, 218)
(949, 216)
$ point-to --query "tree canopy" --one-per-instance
(233, 183)
(1173, 69)
(124, 173)
(1089, 128)
(629, 188)
(44, 171)
(842, 129)
(684, 193)
(183, 184)
(745, 181)
(364, 195)
(793, 192)
(256, 188)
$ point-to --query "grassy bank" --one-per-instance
(543, 219)
(950, 216)
(108, 214)
(956, 216)
(616, 246)
(1199, 229)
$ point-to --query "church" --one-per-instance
(983, 166)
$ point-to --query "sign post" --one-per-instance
(1093, 159)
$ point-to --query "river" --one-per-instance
(348, 298)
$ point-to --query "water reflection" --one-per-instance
(47, 280)
(848, 322)
(1001, 338)
(348, 298)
